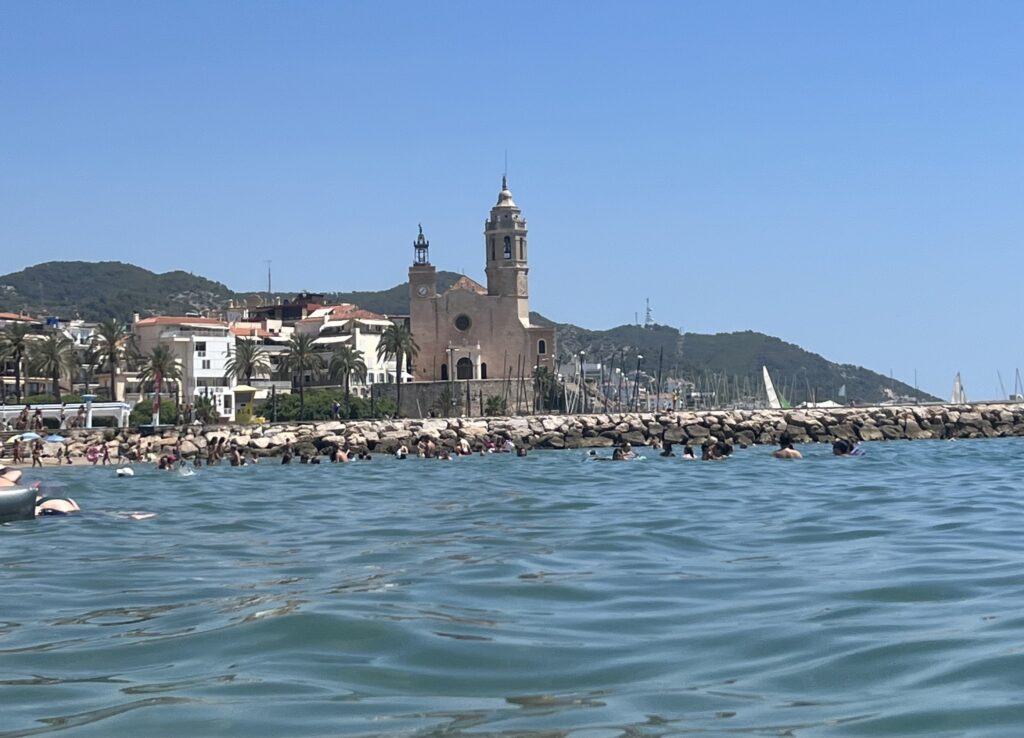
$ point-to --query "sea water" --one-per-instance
(539, 596)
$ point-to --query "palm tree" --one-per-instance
(249, 359)
(54, 355)
(397, 343)
(87, 367)
(111, 345)
(14, 345)
(205, 410)
(346, 361)
(158, 366)
(302, 358)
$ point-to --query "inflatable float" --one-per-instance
(17, 503)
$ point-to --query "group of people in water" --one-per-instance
(219, 449)
(45, 504)
(713, 449)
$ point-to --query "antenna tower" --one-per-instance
(648, 316)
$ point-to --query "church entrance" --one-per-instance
(464, 368)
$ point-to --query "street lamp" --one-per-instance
(636, 384)
(583, 384)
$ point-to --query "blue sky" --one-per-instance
(846, 176)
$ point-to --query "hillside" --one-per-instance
(729, 364)
(726, 364)
(107, 289)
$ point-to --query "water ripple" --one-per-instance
(546, 596)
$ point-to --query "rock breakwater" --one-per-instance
(572, 431)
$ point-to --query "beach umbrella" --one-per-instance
(55, 439)
(30, 436)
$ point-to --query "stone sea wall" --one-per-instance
(578, 431)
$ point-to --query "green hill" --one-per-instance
(107, 289)
(726, 364)
(729, 364)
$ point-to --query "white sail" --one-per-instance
(773, 396)
(959, 396)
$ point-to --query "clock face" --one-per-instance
(422, 290)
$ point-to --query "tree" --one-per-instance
(545, 384)
(158, 366)
(55, 356)
(87, 367)
(249, 358)
(14, 345)
(205, 409)
(302, 358)
(397, 343)
(346, 361)
(111, 344)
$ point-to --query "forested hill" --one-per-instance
(728, 364)
(107, 289)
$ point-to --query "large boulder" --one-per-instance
(869, 433)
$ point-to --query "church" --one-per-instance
(475, 332)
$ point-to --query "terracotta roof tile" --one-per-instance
(180, 320)
(465, 283)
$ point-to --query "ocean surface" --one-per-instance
(546, 596)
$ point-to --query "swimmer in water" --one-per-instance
(667, 451)
(842, 447)
(785, 449)
(688, 454)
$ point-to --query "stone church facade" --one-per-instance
(472, 332)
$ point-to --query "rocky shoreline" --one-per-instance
(569, 431)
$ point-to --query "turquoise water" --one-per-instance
(544, 596)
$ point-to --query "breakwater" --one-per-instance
(571, 431)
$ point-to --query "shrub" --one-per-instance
(142, 413)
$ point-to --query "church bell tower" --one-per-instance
(422, 275)
(505, 242)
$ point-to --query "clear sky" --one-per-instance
(848, 176)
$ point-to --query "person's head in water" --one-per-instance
(841, 447)
(785, 441)
(667, 449)
(688, 451)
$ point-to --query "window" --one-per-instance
(508, 247)
(492, 249)
(206, 363)
(521, 249)
(444, 372)
(201, 348)
(483, 371)
(542, 346)
(464, 368)
(463, 322)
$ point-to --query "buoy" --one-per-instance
(125, 471)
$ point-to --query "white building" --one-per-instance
(202, 347)
(350, 325)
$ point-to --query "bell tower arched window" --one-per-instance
(508, 247)
(542, 346)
